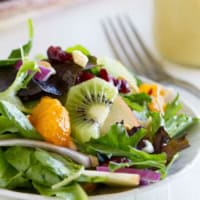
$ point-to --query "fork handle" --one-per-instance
(185, 85)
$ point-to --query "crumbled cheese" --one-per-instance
(79, 58)
(148, 146)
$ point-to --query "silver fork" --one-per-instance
(129, 48)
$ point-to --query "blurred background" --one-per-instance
(68, 22)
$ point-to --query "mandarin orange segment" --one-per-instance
(157, 94)
(51, 120)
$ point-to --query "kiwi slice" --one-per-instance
(89, 104)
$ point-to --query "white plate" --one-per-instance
(181, 167)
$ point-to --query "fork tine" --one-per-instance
(156, 65)
(117, 36)
(144, 67)
(111, 42)
(115, 49)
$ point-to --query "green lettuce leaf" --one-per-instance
(178, 124)
(15, 54)
(19, 121)
(175, 124)
(118, 138)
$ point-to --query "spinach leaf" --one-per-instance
(72, 192)
(9, 136)
(6, 125)
(72, 166)
(15, 54)
(19, 120)
(19, 157)
(52, 164)
(18, 181)
(7, 172)
(41, 175)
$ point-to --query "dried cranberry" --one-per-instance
(119, 159)
(18, 64)
(84, 76)
(104, 75)
(133, 130)
(124, 87)
(56, 54)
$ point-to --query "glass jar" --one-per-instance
(177, 30)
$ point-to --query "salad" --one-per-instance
(72, 123)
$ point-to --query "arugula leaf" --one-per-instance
(134, 106)
(72, 192)
(176, 125)
(118, 137)
(172, 108)
(138, 101)
(156, 122)
(19, 120)
(140, 98)
(113, 166)
(79, 48)
(24, 75)
(137, 157)
(143, 156)
(15, 54)
(117, 143)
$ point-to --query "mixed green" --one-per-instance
(93, 108)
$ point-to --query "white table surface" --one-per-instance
(82, 25)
